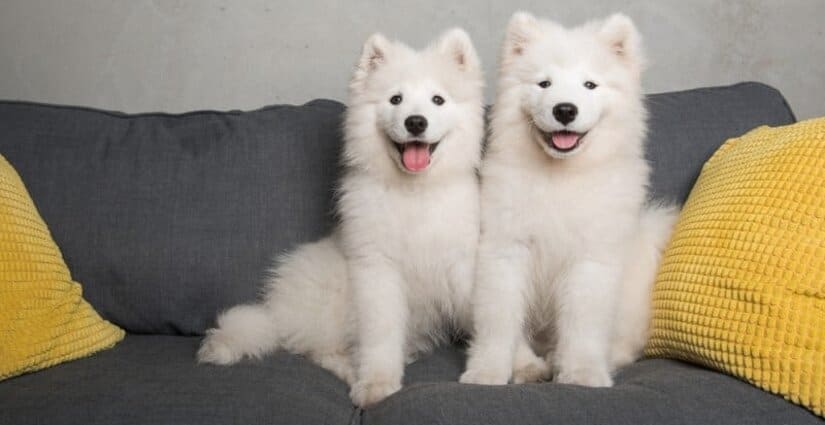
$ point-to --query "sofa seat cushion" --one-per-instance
(154, 379)
(649, 392)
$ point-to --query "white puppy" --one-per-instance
(568, 249)
(396, 275)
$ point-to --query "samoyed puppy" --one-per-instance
(569, 247)
(395, 277)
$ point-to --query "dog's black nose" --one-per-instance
(565, 113)
(416, 124)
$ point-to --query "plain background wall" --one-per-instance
(142, 55)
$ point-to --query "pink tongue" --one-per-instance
(416, 156)
(564, 139)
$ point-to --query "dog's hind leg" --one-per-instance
(243, 331)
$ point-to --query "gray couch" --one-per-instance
(167, 219)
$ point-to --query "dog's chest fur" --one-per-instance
(425, 230)
(564, 215)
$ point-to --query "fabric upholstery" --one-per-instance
(168, 219)
(154, 379)
(687, 126)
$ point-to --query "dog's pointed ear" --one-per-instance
(621, 35)
(521, 31)
(374, 53)
(457, 45)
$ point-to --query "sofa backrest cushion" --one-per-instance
(686, 127)
(168, 219)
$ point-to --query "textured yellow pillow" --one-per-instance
(741, 288)
(43, 318)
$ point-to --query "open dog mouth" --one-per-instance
(415, 155)
(562, 141)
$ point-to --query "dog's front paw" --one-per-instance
(588, 377)
(484, 377)
(535, 371)
(216, 349)
(367, 393)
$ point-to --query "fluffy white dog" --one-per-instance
(568, 248)
(396, 276)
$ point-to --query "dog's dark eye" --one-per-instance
(590, 85)
(438, 100)
(544, 84)
(395, 100)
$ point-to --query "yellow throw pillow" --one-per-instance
(741, 288)
(44, 319)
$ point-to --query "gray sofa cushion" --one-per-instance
(656, 392)
(167, 219)
(686, 127)
(154, 380)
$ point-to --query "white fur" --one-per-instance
(396, 275)
(568, 248)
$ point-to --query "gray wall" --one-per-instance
(141, 55)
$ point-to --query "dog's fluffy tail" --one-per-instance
(630, 336)
(656, 225)
(304, 310)
(242, 331)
